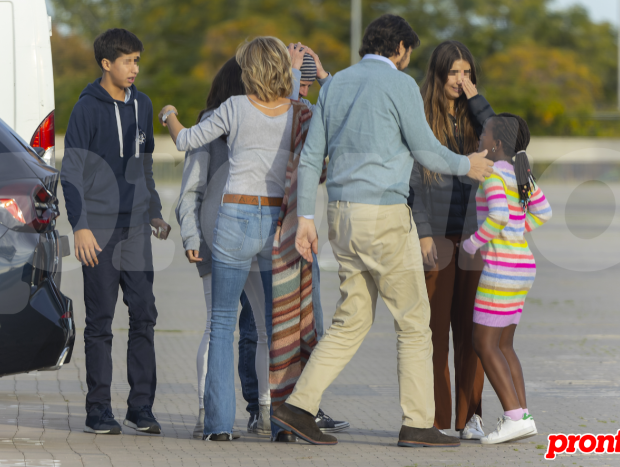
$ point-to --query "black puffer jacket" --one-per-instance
(448, 205)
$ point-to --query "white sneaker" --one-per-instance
(263, 426)
(473, 428)
(530, 420)
(509, 430)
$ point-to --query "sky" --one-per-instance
(600, 10)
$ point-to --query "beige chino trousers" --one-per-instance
(378, 251)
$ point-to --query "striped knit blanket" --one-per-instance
(294, 330)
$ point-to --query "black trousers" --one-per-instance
(126, 261)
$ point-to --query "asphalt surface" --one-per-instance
(568, 342)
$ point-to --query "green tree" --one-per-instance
(186, 42)
(546, 86)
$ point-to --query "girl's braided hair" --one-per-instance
(514, 134)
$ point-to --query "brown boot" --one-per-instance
(301, 424)
(410, 437)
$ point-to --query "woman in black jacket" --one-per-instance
(444, 210)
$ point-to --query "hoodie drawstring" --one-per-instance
(120, 128)
(137, 130)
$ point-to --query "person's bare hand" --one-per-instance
(469, 88)
(192, 256)
(163, 111)
(162, 228)
(429, 251)
(306, 240)
(86, 247)
(463, 251)
(320, 71)
(297, 52)
(481, 167)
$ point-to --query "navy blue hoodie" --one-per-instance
(107, 168)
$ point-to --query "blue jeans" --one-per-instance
(316, 298)
(247, 354)
(241, 233)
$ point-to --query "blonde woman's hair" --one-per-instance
(266, 68)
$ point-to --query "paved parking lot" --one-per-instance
(568, 341)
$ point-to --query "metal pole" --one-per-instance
(356, 30)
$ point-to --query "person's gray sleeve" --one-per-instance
(193, 187)
(311, 161)
(296, 84)
(424, 146)
(324, 81)
(218, 124)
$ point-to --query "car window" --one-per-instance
(8, 136)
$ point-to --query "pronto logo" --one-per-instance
(586, 444)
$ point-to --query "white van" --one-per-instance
(26, 73)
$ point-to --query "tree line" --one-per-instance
(556, 68)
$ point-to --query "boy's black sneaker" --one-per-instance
(328, 425)
(142, 419)
(100, 420)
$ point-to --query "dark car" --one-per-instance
(37, 331)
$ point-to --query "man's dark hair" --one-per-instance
(384, 35)
(115, 42)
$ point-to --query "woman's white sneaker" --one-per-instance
(473, 428)
(509, 430)
(529, 419)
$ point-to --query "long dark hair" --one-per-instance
(436, 104)
(227, 83)
(514, 134)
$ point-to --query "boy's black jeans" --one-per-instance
(126, 260)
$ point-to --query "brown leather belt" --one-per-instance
(253, 200)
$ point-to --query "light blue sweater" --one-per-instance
(370, 120)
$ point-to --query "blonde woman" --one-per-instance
(258, 127)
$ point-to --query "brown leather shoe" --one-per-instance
(410, 437)
(303, 425)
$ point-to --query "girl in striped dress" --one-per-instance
(509, 203)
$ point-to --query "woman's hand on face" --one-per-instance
(164, 110)
(469, 88)
(429, 251)
(297, 52)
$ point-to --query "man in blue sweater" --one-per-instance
(370, 120)
(107, 179)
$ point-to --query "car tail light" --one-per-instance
(67, 315)
(45, 209)
(13, 209)
(45, 137)
(28, 206)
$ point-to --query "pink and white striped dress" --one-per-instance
(510, 268)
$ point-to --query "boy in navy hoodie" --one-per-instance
(107, 179)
